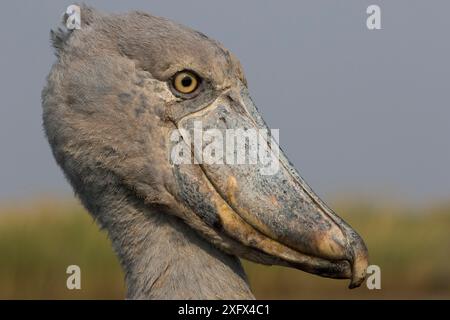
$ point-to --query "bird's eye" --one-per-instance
(186, 82)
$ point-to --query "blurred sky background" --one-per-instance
(359, 112)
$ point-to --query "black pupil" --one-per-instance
(186, 81)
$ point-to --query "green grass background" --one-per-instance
(39, 239)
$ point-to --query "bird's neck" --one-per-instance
(164, 259)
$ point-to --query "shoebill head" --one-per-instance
(123, 84)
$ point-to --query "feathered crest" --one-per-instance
(85, 16)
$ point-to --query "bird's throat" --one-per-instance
(163, 258)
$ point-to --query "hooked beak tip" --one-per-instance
(359, 266)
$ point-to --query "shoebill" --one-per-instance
(121, 85)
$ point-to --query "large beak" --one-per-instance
(263, 203)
